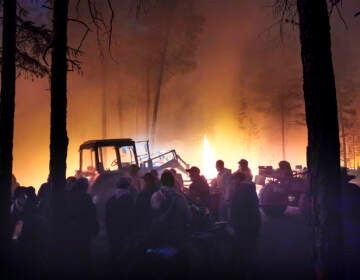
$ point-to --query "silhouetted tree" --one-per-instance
(283, 102)
(64, 59)
(323, 150)
(7, 108)
(58, 87)
(22, 47)
(347, 115)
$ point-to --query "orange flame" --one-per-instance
(209, 170)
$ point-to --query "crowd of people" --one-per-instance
(143, 215)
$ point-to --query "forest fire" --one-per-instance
(275, 85)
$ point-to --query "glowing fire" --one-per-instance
(209, 170)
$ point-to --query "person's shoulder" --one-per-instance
(227, 170)
(246, 185)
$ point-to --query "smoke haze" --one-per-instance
(243, 67)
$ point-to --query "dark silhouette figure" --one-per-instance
(144, 212)
(172, 214)
(284, 173)
(80, 227)
(223, 184)
(244, 168)
(199, 189)
(351, 212)
(119, 220)
(245, 219)
(155, 174)
(26, 232)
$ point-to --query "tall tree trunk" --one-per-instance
(159, 84)
(343, 135)
(147, 110)
(164, 52)
(323, 151)
(7, 109)
(58, 132)
(104, 89)
(282, 115)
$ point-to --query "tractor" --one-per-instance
(104, 161)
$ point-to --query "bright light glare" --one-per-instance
(208, 170)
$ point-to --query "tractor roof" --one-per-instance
(107, 142)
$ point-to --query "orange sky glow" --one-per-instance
(237, 57)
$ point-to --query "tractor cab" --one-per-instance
(106, 155)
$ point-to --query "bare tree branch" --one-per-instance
(85, 33)
(110, 29)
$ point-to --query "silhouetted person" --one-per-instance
(223, 183)
(80, 228)
(70, 183)
(179, 182)
(351, 211)
(119, 220)
(284, 173)
(43, 196)
(135, 180)
(199, 189)
(26, 235)
(172, 213)
(245, 219)
(244, 168)
(155, 174)
(144, 212)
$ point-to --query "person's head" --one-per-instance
(149, 179)
(219, 165)
(30, 192)
(20, 196)
(283, 164)
(167, 179)
(154, 173)
(243, 163)
(44, 191)
(123, 183)
(70, 183)
(194, 172)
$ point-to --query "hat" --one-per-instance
(243, 161)
(193, 169)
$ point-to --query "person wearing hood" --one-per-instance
(172, 213)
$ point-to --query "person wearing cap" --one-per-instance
(223, 183)
(199, 190)
(244, 168)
